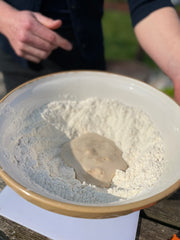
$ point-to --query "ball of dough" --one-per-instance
(94, 159)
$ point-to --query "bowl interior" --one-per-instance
(164, 112)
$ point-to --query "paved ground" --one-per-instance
(141, 72)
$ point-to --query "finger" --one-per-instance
(62, 42)
(50, 36)
(48, 22)
(36, 53)
(57, 40)
(177, 96)
(38, 42)
(31, 58)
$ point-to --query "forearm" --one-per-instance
(159, 35)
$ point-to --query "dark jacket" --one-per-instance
(86, 20)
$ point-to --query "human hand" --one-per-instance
(177, 91)
(31, 35)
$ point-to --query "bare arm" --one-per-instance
(30, 34)
(159, 35)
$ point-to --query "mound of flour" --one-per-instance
(41, 134)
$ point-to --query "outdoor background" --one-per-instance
(122, 51)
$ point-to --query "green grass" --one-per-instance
(169, 92)
(119, 39)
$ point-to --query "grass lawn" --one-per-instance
(119, 39)
(169, 92)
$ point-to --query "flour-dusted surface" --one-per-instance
(37, 145)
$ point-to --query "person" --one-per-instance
(157, 28)
(40, 36)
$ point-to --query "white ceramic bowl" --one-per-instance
(164, 112)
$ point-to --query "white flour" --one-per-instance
(40, 135)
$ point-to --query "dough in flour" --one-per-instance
(94, 159)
